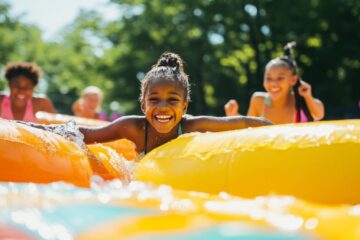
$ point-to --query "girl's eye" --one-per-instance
(153, 100)
(22, 88)
(174, 100)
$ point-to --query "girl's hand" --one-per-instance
(305, 89)
(231, 108)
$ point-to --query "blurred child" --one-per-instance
(287, 99)
(21, 104)
(89, 104)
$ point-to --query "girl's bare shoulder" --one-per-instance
(259, 96)
(188, 121)
(40, 99)
(257, 104)
(42, 103)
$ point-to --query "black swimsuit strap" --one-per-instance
(300, 104)
(146, 136)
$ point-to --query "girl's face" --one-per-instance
(21, 90)
(278, 81)
(164, 105)
(91, 101)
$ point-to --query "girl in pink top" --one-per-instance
(21, 104)
(287, 99)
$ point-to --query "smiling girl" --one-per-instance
(287, 99)
(21, 104)
(164, 99)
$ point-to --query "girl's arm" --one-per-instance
(217, 124)
(125, 127)
(315, 106)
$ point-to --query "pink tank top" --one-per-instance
(297, 118)
(301, 118)
(6, 112)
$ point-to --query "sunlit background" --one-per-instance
(59, 14)
(225, 44)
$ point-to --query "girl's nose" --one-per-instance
(273, 80)
(22, 90)
(162, 104)
(273, 83)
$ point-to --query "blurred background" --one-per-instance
(225, 44)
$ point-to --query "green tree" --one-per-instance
(18, 41)
(226, 45)
(71, 63)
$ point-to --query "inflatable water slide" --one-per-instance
(295, 181)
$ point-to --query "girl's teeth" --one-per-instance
(275, 90)
(163, 118)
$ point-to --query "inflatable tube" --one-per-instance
(51, 118)
(317, 162)
(32, 155)
(109, 164)
(124, 147)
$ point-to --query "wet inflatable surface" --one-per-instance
(318, 162)
(278, 182)
(141, 211)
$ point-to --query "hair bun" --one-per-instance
(171, 60)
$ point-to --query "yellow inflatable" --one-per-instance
(317, 162)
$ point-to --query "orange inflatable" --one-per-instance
(51, 118)
(107, 163)
(124, 147)
(32, 155)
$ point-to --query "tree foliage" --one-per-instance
(225, 45)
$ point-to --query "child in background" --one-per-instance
(21, 104)
(88, 106)
(164, 98)
(287, 99)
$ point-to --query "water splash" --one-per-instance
(69, 131)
